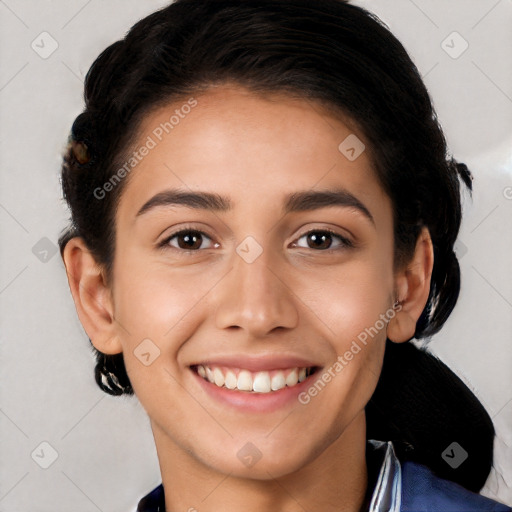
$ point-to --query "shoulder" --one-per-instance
(153, 502)
(422, 490)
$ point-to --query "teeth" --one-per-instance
(261, 383)
(244, 381)
(258, 382)
(278, 381)
(293, 378)
(218, 377)
(231, 380)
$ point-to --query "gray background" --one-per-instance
(105, 457)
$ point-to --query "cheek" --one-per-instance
(352, 298)
(157, 310)
(354, 306)
(152, 300)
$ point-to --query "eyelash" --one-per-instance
(345, 242)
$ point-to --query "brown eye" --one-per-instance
(188, 240)
(323, 240)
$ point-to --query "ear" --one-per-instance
(92, 296)
(412, 285)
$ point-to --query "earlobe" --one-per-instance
(413, 288)
(92, 296)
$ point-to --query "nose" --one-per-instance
(255, 297)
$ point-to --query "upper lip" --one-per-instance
(258, 363)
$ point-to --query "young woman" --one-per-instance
(263, 215)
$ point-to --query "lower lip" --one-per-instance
(255, 402)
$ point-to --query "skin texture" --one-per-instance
(294, 299)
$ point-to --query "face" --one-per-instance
(266, 273)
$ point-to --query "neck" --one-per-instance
(335, 481)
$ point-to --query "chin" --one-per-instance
(260, 459)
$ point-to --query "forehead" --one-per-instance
(253, 148)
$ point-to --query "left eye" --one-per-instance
(321, 239)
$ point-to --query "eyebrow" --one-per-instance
(300, 201)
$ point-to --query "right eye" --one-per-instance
(188, 240)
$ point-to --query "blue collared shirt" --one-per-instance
(392, 487)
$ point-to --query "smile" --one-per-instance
(257, 382)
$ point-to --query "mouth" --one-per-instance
(263, 382)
